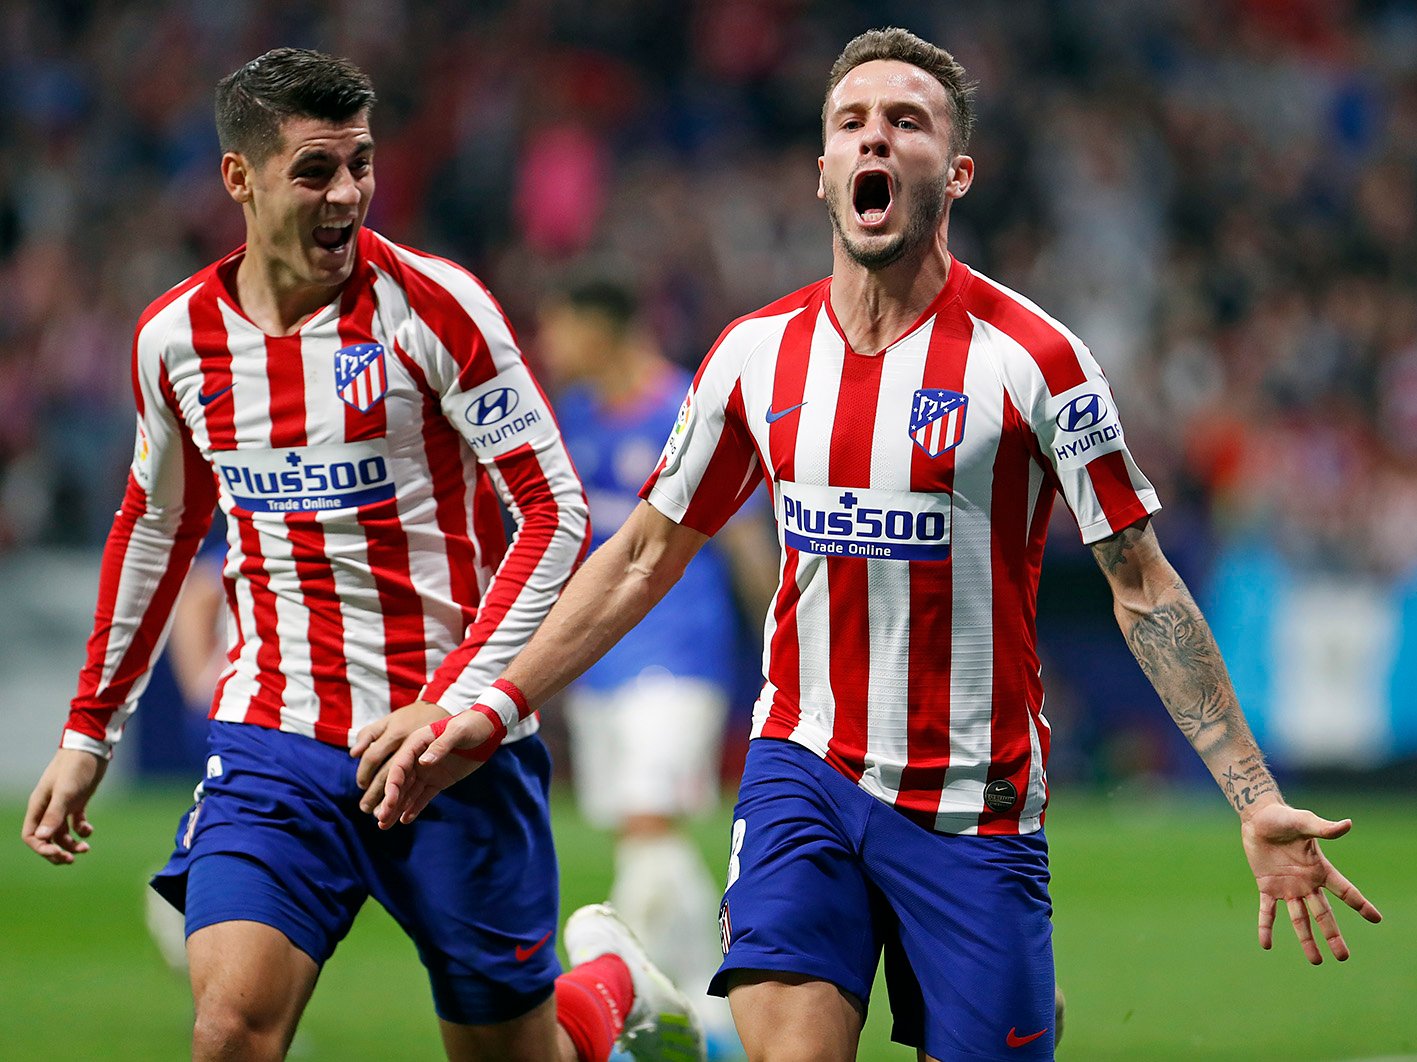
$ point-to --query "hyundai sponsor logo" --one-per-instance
(493, 407)
(1082, 413)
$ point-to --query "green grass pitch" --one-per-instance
(1154, 934)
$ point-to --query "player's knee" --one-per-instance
(230, 1029)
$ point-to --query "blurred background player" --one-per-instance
(348, 403)
(646, 721)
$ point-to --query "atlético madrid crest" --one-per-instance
(937, 420)
(360, 378)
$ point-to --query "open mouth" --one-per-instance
(334, 237)
(871, 196)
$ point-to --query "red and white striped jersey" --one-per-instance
(912, 490)
(356, 462)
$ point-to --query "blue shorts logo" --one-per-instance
(937, 419)
(493, 407)
(360, 378)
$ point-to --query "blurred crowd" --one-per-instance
(1220, 196)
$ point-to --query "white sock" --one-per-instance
(666, 894)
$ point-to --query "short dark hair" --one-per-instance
(609, 298)
(905, 47)
(252, 102)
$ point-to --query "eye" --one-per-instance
(852, 123)
(907, 123)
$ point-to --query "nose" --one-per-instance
(875, 138)
(344, 189)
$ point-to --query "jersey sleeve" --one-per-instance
(489, 396)
(166, 510)
(1073, 415)
(709, 466)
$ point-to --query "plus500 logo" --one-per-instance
(307, 479)
(865, 523)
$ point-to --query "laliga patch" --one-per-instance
(725, 928)
(307, 479)
(360, 377)
(673, 451)
(1080, 424)
(1000, 795)
(864, 522)
(505, 413)
(937, 419)
(142, 458)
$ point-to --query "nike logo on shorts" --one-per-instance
(1015, 1040)
(779, 414)
(526, 953)
(207, 399)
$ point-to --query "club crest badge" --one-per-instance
(360, 378)
(937, 420)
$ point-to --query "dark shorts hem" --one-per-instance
(787, 964)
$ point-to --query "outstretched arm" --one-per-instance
(611, 593)
(1173, 644)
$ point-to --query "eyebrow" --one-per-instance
(363, 147)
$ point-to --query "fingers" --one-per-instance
(374, 792)
(1325, 829)
(1346, 891)
(417, 801)
(1322, 913)
(1299, 917)
(402, 774)
(435, 750)
(1266, 921)
(367, 736)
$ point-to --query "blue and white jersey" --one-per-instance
(694, 631)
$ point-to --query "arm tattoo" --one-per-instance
(1246, 780)
(1111, 553)
(1175, 648)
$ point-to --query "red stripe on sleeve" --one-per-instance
(1050, 349)
(540, 519)
(732, 473)
(1112, 484)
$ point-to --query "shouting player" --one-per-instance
(355, 408)
(914, 421)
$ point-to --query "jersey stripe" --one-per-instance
(931, 637)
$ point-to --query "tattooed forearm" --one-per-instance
(1246, 780)
(1173, 644)
(1175, 648)
(1112, 553)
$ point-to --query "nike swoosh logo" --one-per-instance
(1015, 1040)
(775, 416)
(526, 953)
(207, 399)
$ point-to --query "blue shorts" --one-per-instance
(823, 877)
(277, 837)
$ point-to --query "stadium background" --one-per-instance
(1220, 196)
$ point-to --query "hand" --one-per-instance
(56, 820)
(1281, 844)
(425, 766)
(378, 741)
